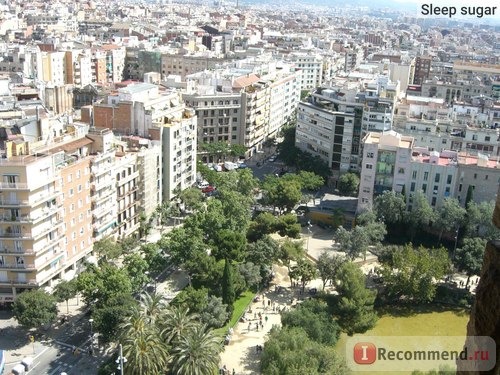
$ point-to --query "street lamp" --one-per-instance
(309, 226)
(456, 240)
(121, 360)
(91, 337)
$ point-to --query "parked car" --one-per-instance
(242, 165)
(207, 189)
(203, 184)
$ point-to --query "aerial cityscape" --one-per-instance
(249, 187)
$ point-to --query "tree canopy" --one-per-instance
(35, 308)
(348, 184)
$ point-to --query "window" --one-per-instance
(369, 166)
(475, 176)
(414, 175)
(79, 187)
(486, 177)
(366, 190)
(77, 174)
(369, 154)
(426, 176)
(424, 187)
(70, 177)
(474, 137)
(449, 178)
(460, 187)
(435, 189)
(71, 192)
(412, 187)
(437, 177)
(487, 139)
(433, 201)
(401, 170)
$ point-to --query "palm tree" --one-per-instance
(152, 306)
(176, 322)
(146, 354)
(197, 352)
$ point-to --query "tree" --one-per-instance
(137, 269)
(264, 223)
(479, 223)
(421, 215)
(358, 240)
(348, 184)
(354, 303)
(107, 249)
(264, 251)
(328, 266)
(98, 284)
(338, 217)
(314, 317)
(228, 293)
(145, 353)
(64, 291)
(308, 180)
(108, 317)
(251, 274)
(192, 198)
(411, 273)
(215, 313)
(469, 257)
(290, 251)
(281, 192)
(287, 225)
(194, 300)
(390, 207)
(197, 352)
(145, 225)
(35, 308)
(153, 256)
(304, 271)
(175, 323)
(450, 216)
(289, 351)
(229, 245)
(237, 150)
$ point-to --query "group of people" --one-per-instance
(225, 371)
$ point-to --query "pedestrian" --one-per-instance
(255, 315)
(261, 325)
(256, 326)
(266, 318)
(263, 302)
(260, 318)
(268, 302)
(234, 372)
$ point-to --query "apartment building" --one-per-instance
(311, 65)
(422, 69)
(178, 137)
(127, 193)
(25, 59)
(244, 109)
(329, 125)
(142, 109)
(438, 175)
(385, 165)
(103, 183)
(184, 65)
(78, 65)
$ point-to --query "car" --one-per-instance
(242, 165)
(272, 158)
(203, 184)
(207, 189)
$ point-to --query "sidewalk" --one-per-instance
(241, 354)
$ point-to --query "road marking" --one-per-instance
(55, 371)
(39, 354)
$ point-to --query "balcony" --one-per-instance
(13, 186)
(13, 203)
(12, 234)
(19, 252)
(15, 219)
(17, 266)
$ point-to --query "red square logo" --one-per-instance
(365, 353)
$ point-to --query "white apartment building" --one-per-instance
(311, 64)
(329, 125)
(54, 68)
(385, 165)
(178, 136)
(103, 184)
(439, 175)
